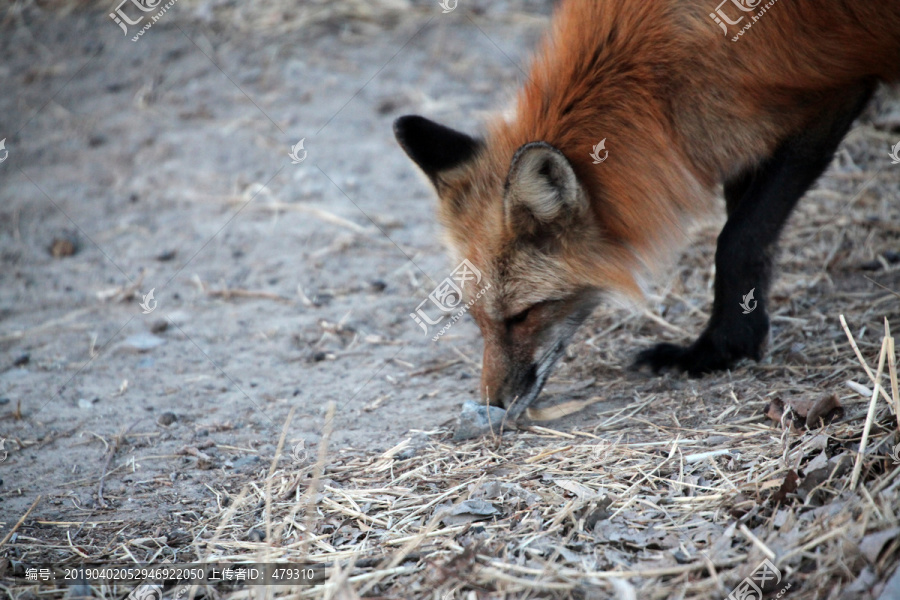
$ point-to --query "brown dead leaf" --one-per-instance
(789, 486)
(805, 412)
(775, 409)
(825, 410)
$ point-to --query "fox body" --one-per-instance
(683, 109)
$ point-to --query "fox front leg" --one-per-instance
(759, 203)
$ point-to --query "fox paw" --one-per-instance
(702, 357)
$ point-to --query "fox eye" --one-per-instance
(520, 317)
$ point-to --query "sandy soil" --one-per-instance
(288, 286)
(166, 163)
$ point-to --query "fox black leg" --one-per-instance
(758, 202)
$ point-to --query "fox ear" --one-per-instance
(432, 146)
(542, 182)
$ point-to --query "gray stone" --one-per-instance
(142, 342)
(167, 418)
(476, 420)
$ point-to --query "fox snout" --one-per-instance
(513, 380)
(520, 352)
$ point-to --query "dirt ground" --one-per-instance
(164, 164)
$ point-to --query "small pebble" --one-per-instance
(167, 418)
(407, 454)
(22, 360)
(476, 420)
(62, 247)
(245, 461)
(255, 535)
(85, 404)
(143, 342)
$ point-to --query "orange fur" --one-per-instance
(681, 106)
(682, 109)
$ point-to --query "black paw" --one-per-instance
(696, 360)
(710, 353)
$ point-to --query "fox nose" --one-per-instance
(510, 387)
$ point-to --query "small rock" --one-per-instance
(718, 440)
(166, 256)
(85, 404)
(178, 537)
(78, 590)
(62, 246)
(167, 418)
(4, 401)
(159, 326)
(245, 461)
(469, 511)
(255, 535)
(407, 454)
(142, 342)
(476, 420)
(22, 360)
(511, 493)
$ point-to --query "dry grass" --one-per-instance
(661, 511)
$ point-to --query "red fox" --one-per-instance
(556, 220)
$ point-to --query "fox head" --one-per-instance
(522, 216)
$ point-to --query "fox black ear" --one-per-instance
(432, 146)
(542, 181)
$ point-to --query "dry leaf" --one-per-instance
(789, 486)
(872, 544)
